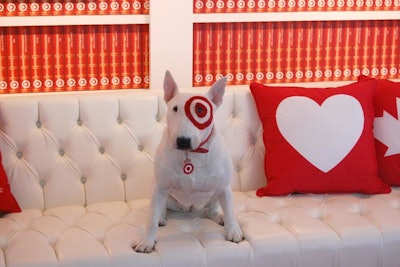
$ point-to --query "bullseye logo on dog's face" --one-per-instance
(199, 110)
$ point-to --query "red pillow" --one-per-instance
(318, 140)
(387, 129)
(7, 201)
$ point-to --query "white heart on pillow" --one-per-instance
(322, 134)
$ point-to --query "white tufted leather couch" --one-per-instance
(80, 166)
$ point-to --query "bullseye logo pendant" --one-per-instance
(188, 167)
(199, 110)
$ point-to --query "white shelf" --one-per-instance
(73, 20)
(296, 16)
(171, 30)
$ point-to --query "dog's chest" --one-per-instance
(201, 185)
(194, 191)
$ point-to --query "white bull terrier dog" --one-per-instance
(192, 167)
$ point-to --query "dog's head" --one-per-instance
(190, 116)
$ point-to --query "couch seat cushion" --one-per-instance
(294, 230)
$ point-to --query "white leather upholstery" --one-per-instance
(80, 166)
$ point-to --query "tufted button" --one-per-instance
(234, 115)
(119, 120)
(158, 118)
(140, 148)
(79, 122)
(253, 141)
(38, 124)
(42, 183)
(238, 169)
(61, 152)
(123, 177)
(83, 180)
(102, 150)
(19, 154)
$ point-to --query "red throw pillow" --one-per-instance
(318, 140)
(387, 129)
(7, 201)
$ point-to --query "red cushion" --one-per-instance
(318, 140)
(387, 130)
(7, 201)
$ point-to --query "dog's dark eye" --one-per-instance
(175, 108)
(201, 110)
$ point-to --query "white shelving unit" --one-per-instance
(171, 33)
(298, 16)
(73, 20)
(171, 30)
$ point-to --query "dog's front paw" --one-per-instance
(162, 221)
(234, 233)
(144, 246)
(218, 218)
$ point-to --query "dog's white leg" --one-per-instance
(232, 228)
(213, 211)
(157, 207)
(163, 218)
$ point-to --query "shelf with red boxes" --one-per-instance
(48, 46)
(278, 41)
(73, 7)
(72, 58)
(75, 12)
(293, 52)
(253, 6)
(172, 30)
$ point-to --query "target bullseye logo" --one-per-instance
(199, 110)
(188, 167)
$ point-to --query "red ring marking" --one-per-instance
(202, 114)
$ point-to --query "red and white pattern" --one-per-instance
(242, 6)
(277, 52)
(72, 7)
(318, 140)
(199, 110)
(69, 58)
(387, 129)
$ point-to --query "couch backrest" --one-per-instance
(82, 148)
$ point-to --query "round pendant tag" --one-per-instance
(188, 168)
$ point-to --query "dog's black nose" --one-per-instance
(183, 143)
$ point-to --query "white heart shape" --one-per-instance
(322, 134)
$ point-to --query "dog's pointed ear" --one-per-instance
(217, 90)
(170, 87)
